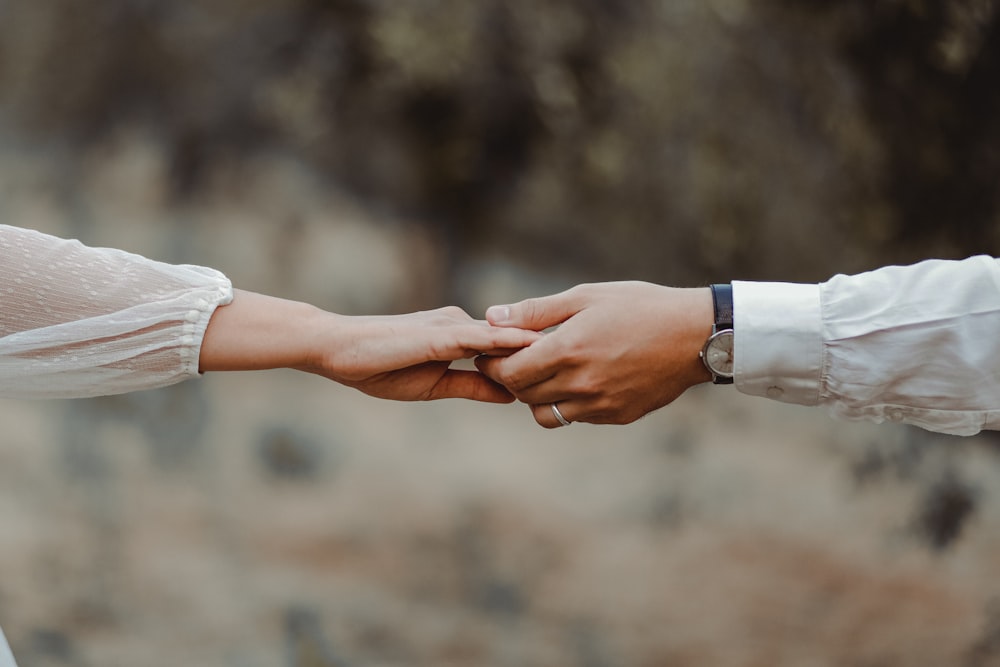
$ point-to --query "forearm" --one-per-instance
(913, 344)
(78, 321)
(259, 332)
(402, 357)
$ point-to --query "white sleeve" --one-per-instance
(6, 657)
(78, 321)
(917, 344)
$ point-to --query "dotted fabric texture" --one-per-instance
(77, 321)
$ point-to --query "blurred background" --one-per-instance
(372, 156)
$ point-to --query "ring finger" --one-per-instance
(546, 414)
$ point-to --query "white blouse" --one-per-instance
(77, 321)
(913, 344)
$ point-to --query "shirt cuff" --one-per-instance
(778, 341)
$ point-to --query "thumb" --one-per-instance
(534, 314)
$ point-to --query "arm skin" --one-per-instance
(621, 350)
(400, 357)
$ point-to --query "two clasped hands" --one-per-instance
(911, 344)
(600, 353)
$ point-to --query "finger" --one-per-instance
(519, 371)
(490, 366)
(470, 385)
(574, 411)
(530, 383)
(500, 352)
(546, 416)
(536, 314)
(548, 390)
(488, 339)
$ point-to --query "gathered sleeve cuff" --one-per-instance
(77, 321)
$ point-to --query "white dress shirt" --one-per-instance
(916, 344)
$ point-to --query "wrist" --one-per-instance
(327, 343)
(258, 332)
(702, 315)
(717, 353)
(687, 323)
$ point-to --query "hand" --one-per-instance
(621, 350)
(400, 357)
(408, 357)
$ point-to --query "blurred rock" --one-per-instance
(307, 644)
(286, 453)
(946, 508)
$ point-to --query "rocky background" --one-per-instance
(375, 156)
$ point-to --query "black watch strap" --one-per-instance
(722, 300)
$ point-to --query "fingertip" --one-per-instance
(493, 393)
(487, 359)
(495, 398)
(535, 314)
(504, 399)
(498, 315)
(488, 365)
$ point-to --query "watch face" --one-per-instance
(719, 353)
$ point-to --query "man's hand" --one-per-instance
(620, 351)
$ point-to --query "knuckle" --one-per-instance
(507, 378)
(589, 385)
(531, 310)
(577, 349)
(453, 312)
(603, 405)
(515, 384)
(584, 291)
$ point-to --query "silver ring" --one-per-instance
(558, 415)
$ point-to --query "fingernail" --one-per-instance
(498, 314)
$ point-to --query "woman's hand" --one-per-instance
(408, 357)
(401, 357)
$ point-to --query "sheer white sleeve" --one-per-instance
(77, 321)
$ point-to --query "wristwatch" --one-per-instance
(718, 350)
